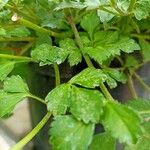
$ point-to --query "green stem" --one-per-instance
(114, 5)
(26, 48)
(105, 91)
(78, 40)
(131, 87)
(16, 39)
(29, 136)
(134, 24)
(57, 74)
(28, 59)
(37, 98)
(36, 27)
(86, 57)
(141, 81)
(141, 36)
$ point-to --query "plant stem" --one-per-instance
(37, 98)
(86, 57)
(57, 74)
(29, 136)
(16, 39)
(141, 36)
(131, 87)
(36, 27)
(28, 59)
(141, 81)
(78, 40)
(26, 48)
(105, 91)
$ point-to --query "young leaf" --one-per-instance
(145, 47)
(58, 99)
(89, 78)
(8, 102)
(67, 133)
(86, 104)
(15, 84)
(90, 23)
(108, 44)
(5, 68)
(103, 141)
(47, 54)
(122, 122)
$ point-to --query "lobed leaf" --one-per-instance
(89, 78)
(86, 104)
(58, 100)
(73, 51)
(8, 101)
(47, 54)
(103, 141)
(122, 122)
(90, 23)
(5, 68)
(67, 133)
(15, 84)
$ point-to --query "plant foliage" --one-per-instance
(102, 43)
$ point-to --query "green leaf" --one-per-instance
(43, 38)
(142, 9)
(122, 122)
(8, 102)
(86, 104)
(5, 68)
(2, 32)
(58, 99)
(90, 23)
(70, 4)
(145, 47)
(116, 74)
(104, 16)
(103, 141)
(143, 141)
(140, 105)
(89, 78)
(67, 133)
(47, 54)
(74, 58)
(19, 32)
(3, 3)
(73, 51)
(131, 61)
(15, 84)
(108, 44)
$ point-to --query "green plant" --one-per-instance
(111, 36)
